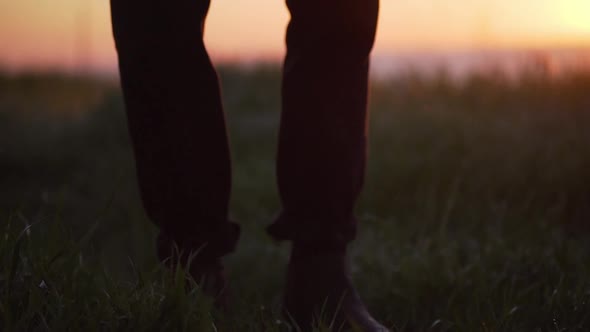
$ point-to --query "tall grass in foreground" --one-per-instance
(474, 216)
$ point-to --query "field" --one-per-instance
(475, 215)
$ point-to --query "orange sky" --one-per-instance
(73, 33)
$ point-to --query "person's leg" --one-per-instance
(322, 143)
(176, 124)
(322, 154)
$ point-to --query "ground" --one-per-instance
(474, 217)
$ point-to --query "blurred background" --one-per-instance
(489, 96)
(479, 151)
(75, 36)
(484, 99)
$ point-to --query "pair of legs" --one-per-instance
(180, 142)
(178, 130)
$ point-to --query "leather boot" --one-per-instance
(319, 288)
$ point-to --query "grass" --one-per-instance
(474, 216)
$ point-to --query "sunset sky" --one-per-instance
(72, 34)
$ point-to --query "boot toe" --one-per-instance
(319, 290)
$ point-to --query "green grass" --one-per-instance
(474, 217)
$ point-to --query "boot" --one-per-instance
(319, 288)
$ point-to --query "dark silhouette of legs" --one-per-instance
(178, 131)
(176, 124)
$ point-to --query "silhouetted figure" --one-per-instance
(179, 136)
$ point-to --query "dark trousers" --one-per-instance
(178, 131)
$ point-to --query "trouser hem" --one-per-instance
(316, 233)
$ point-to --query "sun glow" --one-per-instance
(75, 34)
(575, 16)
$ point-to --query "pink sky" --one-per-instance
(71, 34)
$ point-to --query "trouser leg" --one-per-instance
(323, 133)
(176, 123)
